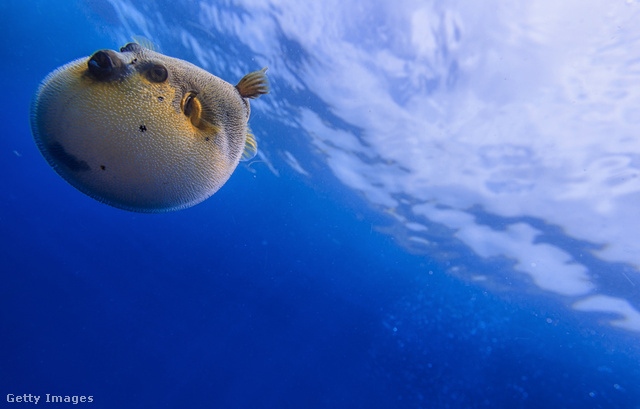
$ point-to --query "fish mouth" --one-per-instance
(105, 65)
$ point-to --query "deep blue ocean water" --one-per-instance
(282, 290)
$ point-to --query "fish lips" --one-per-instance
(106, 65)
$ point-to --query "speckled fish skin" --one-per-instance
(142, 131)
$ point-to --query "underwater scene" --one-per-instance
(336, 204)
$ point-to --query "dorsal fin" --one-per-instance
(254, 84)
(250, 147)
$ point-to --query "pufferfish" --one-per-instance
(142, 131)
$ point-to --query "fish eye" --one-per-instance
(192, 109)
(157, 73)
(188, 103)
(130, 47)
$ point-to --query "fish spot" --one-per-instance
(103, 167)
(58, 153)
(143, 128)
(207, 139)
(160, 99)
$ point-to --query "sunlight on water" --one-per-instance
(513, 128)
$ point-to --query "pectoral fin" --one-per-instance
(254, 84)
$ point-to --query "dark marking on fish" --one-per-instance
(103, 167)
(58, 152)
(143, 128)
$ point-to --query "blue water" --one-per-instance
(280, 291)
